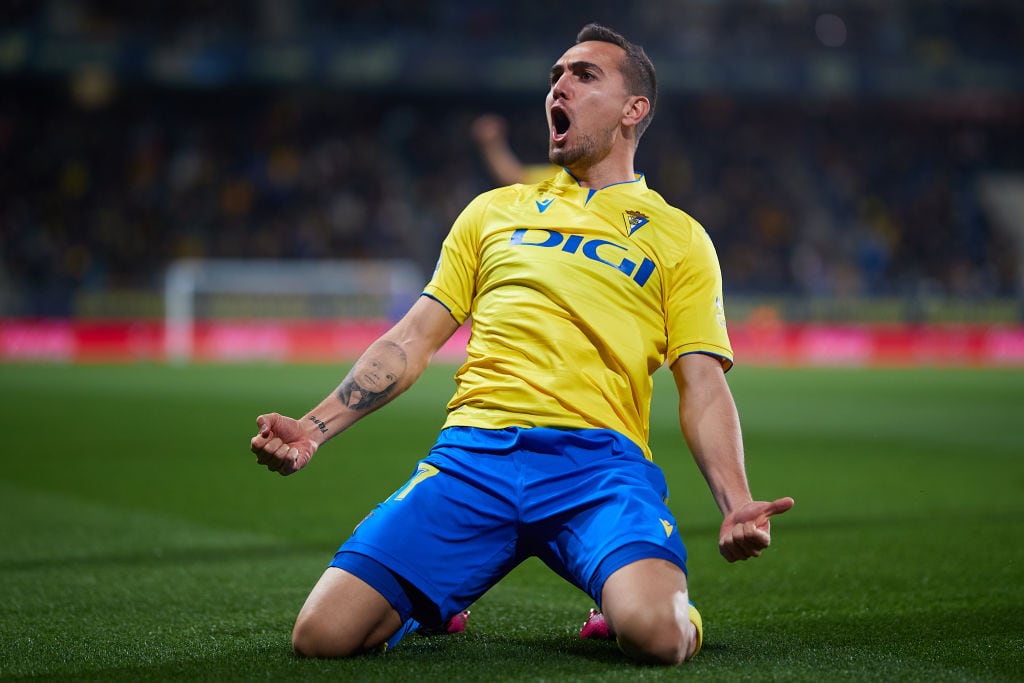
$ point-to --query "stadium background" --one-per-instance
(854, 162)
(858, 164)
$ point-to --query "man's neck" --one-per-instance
(608, 171)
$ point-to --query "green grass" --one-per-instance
(141, 542)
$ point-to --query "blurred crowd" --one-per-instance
(102, 185)
(823, 199)
(905, 29)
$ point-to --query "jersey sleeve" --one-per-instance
(695, 309)
(454, 281)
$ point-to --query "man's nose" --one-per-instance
(561, 87)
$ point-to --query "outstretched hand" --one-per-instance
(746, 531)
(282, 445)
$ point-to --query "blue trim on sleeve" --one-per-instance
(431, 296)
(727, 362)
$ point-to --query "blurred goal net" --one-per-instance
(200, 291)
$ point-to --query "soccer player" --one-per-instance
(579, 288)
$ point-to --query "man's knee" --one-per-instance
(658, 634)
(343, 616)
(315, 637)
(645, 603)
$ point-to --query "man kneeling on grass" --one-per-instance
(579, 288)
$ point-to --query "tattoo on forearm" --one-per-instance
(374, 376)
(318, 423)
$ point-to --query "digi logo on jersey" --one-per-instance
(595, 249)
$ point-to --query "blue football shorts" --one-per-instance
(586, 502)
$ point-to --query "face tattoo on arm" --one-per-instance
(373, 377)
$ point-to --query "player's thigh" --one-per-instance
(606, 513)
(450, 531)
(343, 615)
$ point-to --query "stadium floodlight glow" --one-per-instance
(391, 285)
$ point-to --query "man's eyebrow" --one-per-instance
(580, 65)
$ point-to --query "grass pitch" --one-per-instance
(141, 542)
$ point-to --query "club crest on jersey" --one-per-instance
(635, 220)
(595, 249)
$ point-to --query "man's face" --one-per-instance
(585, 104)
(378, 372)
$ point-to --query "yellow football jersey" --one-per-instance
(576, 296)
(538, 173)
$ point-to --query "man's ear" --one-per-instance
(635, 109)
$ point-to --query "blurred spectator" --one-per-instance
(490, 131)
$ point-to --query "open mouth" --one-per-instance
(559, 123)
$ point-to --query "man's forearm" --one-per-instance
(711, 427)
(354, 398)
(388, 367)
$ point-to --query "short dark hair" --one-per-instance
(637, 68)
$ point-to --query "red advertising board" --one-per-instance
(330, 341)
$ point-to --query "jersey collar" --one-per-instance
(636, 186)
